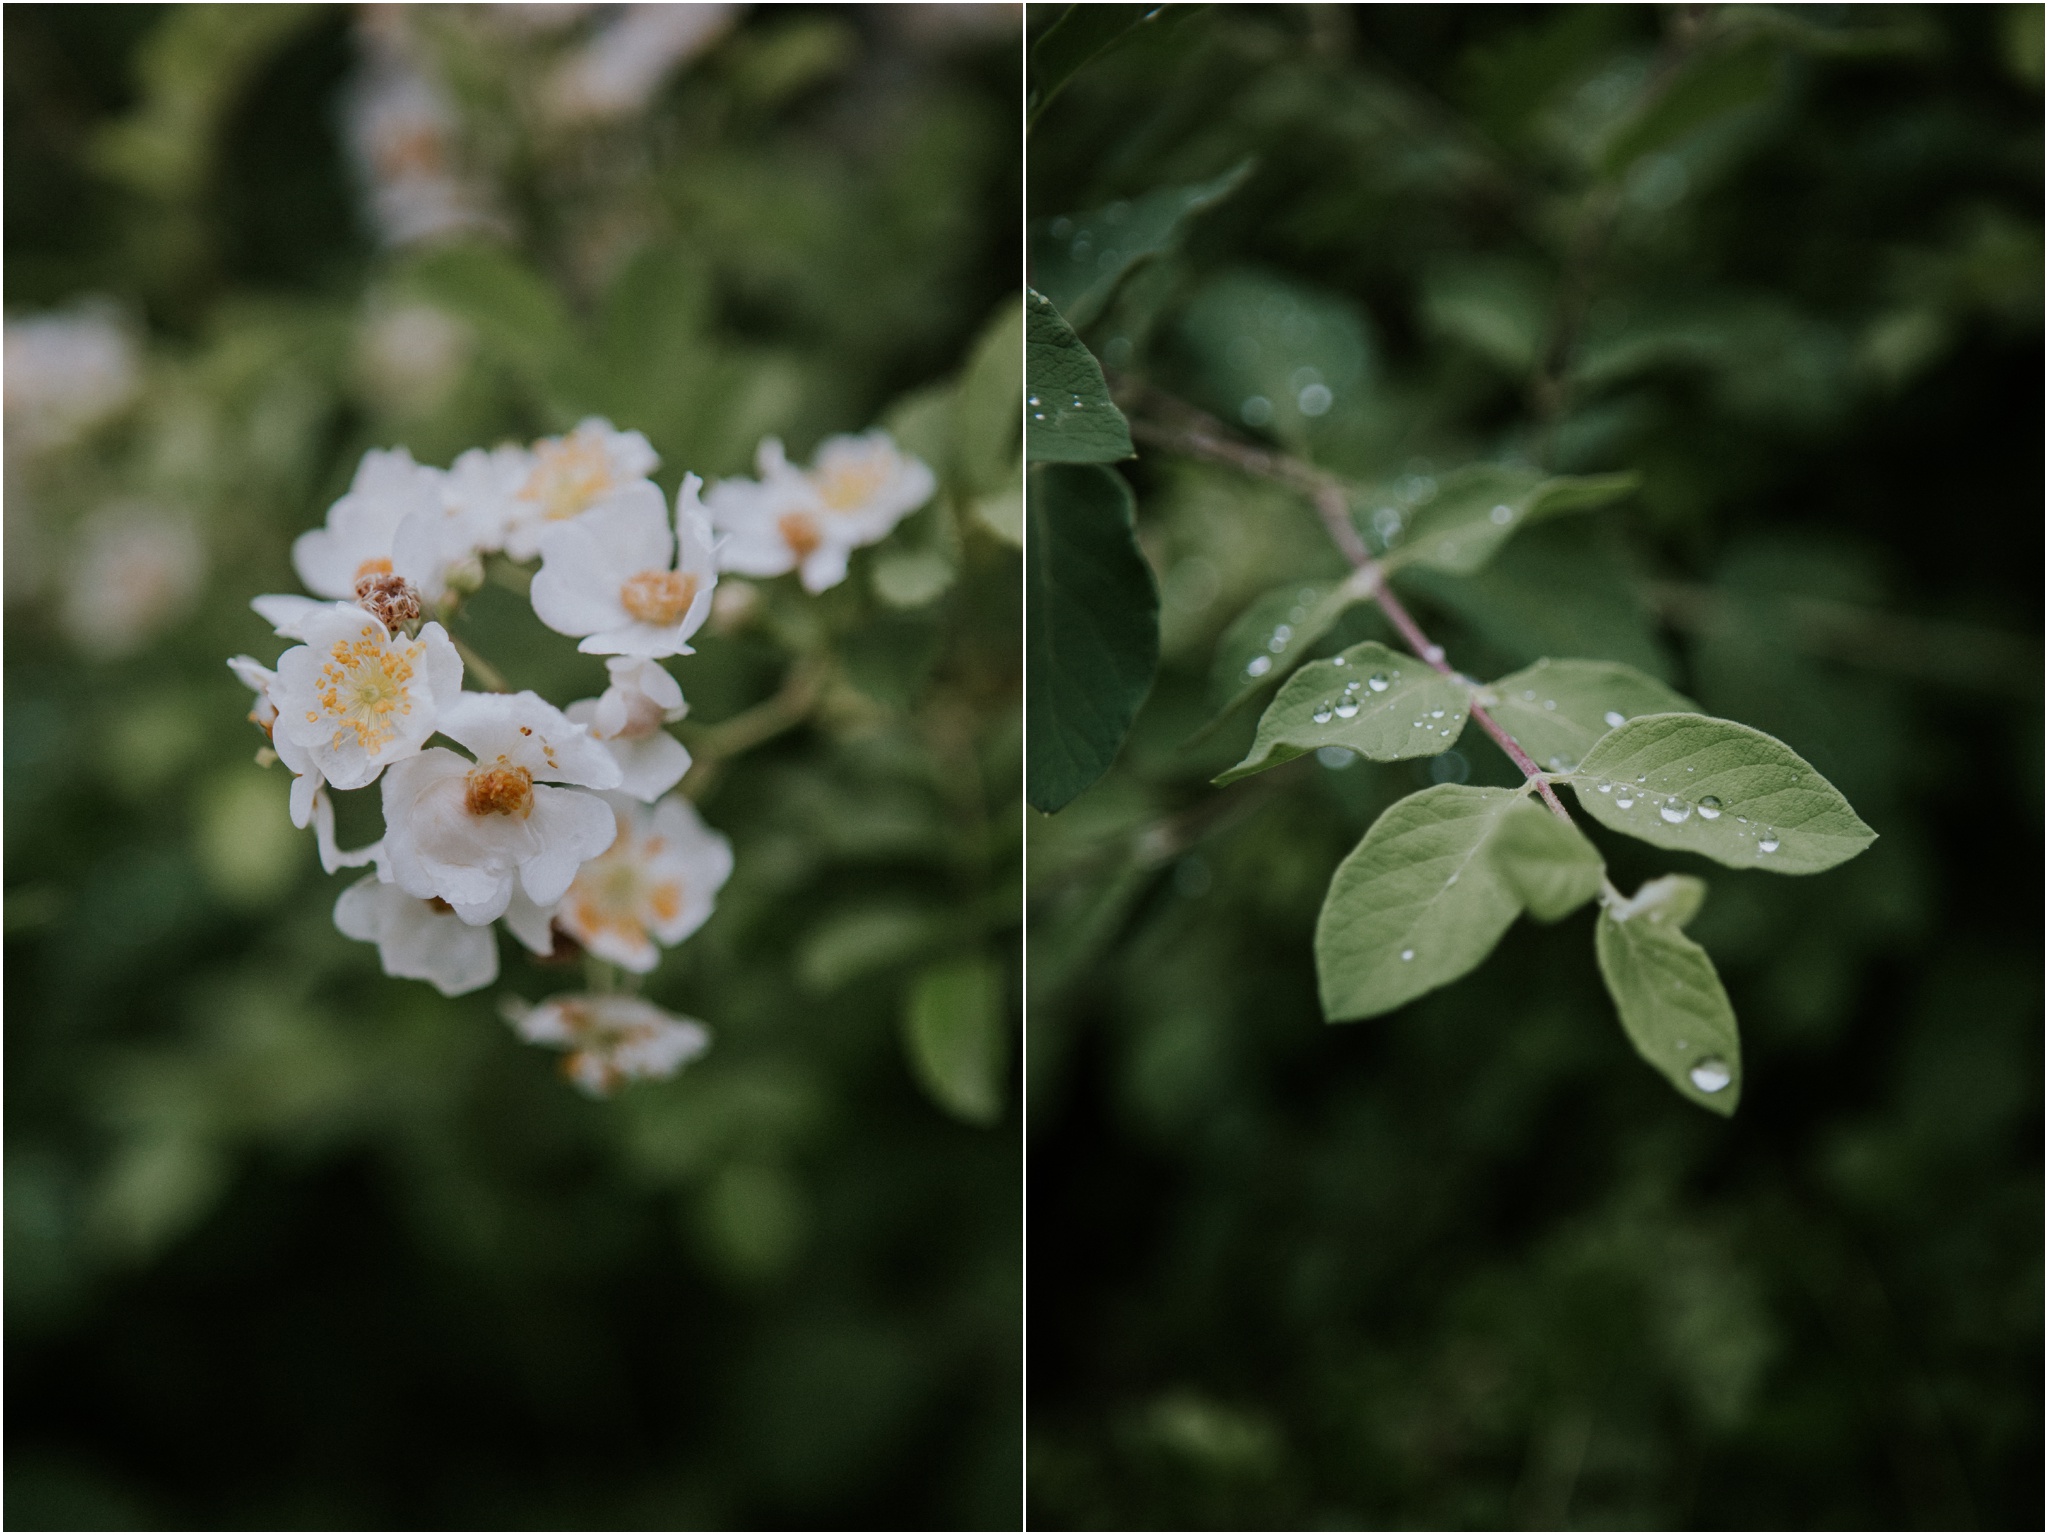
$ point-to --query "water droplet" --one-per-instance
(1626, 799)
(1347, 709)
(1433, 654)
(1314, 400)
(1336, 757)
(1339, 661)
(1550, 703)
(1768, 842)
(1742, 820)
(1614, 717)
(1445, 734)
(1436, 714)
(1407, 953)
(1605, 788)
(1377, 682)
(1528, 695)
(1502, 515)
(1676, 811)
(1038, 415)
(1258, 666)
(1353, 686)
(1642, 778)
(1033, 400)
(1711, 1074)
(1322, 714)
(1279, 640)
(1710, 808)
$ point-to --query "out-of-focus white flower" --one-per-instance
(468, 831)
(538, 19)
(65, 373)
(611, 1039)
(940, 27)
(402, 130)
(628, 718)
(618, 577)
(361, 531)
(618, 71)
(593, 466)
(482, 488)
(656, 883)
(410, 355)
(138, 572)
(357, 699)
(858, 488)
(418, 940)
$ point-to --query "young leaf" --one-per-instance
(1478, 508)
(1546, 862)
(1091, 628)
(953, 1033)
(1670, 1000)
(1078, 260)
(1378, 702)
(1416, 905)
(1556, 710)
(1069, 417)
(1719, 789)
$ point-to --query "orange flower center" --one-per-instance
(659, 597)
(849, 483)
(799, 532)
(503, 790)
(372, 568)
(567, 476)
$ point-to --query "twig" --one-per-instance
(715, 745)
(1202, 436)
(493, 679)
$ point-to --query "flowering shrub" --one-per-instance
(566, 824)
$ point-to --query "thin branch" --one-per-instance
(712, 746)
(492, 679)
(1202, 436)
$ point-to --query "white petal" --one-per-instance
(288, 615)
(531, 923)
(649, 766)
(576, 590)
(569, 828)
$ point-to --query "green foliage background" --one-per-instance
(290, 1244)
(1472, 1265)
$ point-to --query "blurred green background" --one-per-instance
(1474, 1265)
(291, 1244)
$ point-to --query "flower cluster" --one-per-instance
(563, 823)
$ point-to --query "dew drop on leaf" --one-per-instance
(1710, 1074)
(1768, 843)
(1322, 714)
(1407, 954)
(1346, 709)
(1258, 666)
(1614, 717)
(1377, 682)
(1625, 800)
(1502, 515)
(1710, 808)
(1675, 812)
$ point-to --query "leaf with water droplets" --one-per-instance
(1546, 861)
(1556, 710)
(1068, 415)
(1417, 904)
(1672, 1006)
(1077, 260)
(1378, 702)
(1265, 642)
(1478, 508)
(1702, 785)
(1091, 628)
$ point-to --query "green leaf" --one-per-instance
(1378, 702)
(1478, 508)
(1091, 628)
(1670, 1000)
(1081, 35)
(1556, 710)
(1417, 904)
(987, 403)
(1285, 357)
(1719, 789)
(1070, 416)
(953, 1033)
(1546, 861)
(1077, 260)
(1708, 87)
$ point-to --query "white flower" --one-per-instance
(612, 1039)
(409, 355)
(482, 487)
(593, 466)
(418, 940)
(403, 131)
(858, 489)
(288, 615)
(469, 831)
(531, 923)
(362, 528)
(306, 779)
(139, 572)
(656, 883)
(65, 373)
(628, 719)
(617, 71)
(607, 576)
(357, 699)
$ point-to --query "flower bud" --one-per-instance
(392, 599)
